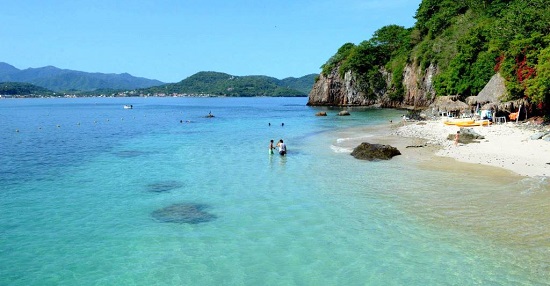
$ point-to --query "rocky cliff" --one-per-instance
(333, 90)
(419, 90)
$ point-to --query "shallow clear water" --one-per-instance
(81, 180)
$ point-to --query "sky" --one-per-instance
(170, 40)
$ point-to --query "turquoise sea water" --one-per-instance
(82, 183)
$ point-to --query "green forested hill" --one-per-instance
(302, 84)
(468, 41)
(23, 89)
(216, 83)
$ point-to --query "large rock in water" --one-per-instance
(374, 152)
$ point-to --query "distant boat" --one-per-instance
(128, 106)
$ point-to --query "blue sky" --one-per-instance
(170, 40)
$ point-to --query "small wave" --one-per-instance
(534, 185)
(340, 140)
(338, 149)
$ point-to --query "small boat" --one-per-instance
(475, 123)
(128, 106)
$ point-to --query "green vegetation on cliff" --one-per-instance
(222, 84)
(387, 50)
(471, 40)
(468, 41)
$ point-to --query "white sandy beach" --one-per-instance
(506, 146)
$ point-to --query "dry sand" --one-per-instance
(506, 146)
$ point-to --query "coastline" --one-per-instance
(506, 146)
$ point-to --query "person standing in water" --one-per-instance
(282, 147)
(271, 147)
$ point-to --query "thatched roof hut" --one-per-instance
(493, 91)
(449, 103)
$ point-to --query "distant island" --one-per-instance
(51, 81)
(24, 89)
(222, 84)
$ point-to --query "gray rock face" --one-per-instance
(419, 90)
(374, 152)
(333, 90)
(546, 137)
(343, 113)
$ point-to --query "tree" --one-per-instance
(538, 88)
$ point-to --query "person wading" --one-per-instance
(282, 147)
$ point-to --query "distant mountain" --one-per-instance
(23, 89)
(57, 79)
(222, 84)
(6, 69)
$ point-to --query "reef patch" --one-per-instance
(164, 186)
(184, 213)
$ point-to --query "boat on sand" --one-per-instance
(457, 121)
(475, 123)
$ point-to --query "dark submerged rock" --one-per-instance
(183, 213)
(374, 152)
(164, 186)
(321, 113)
